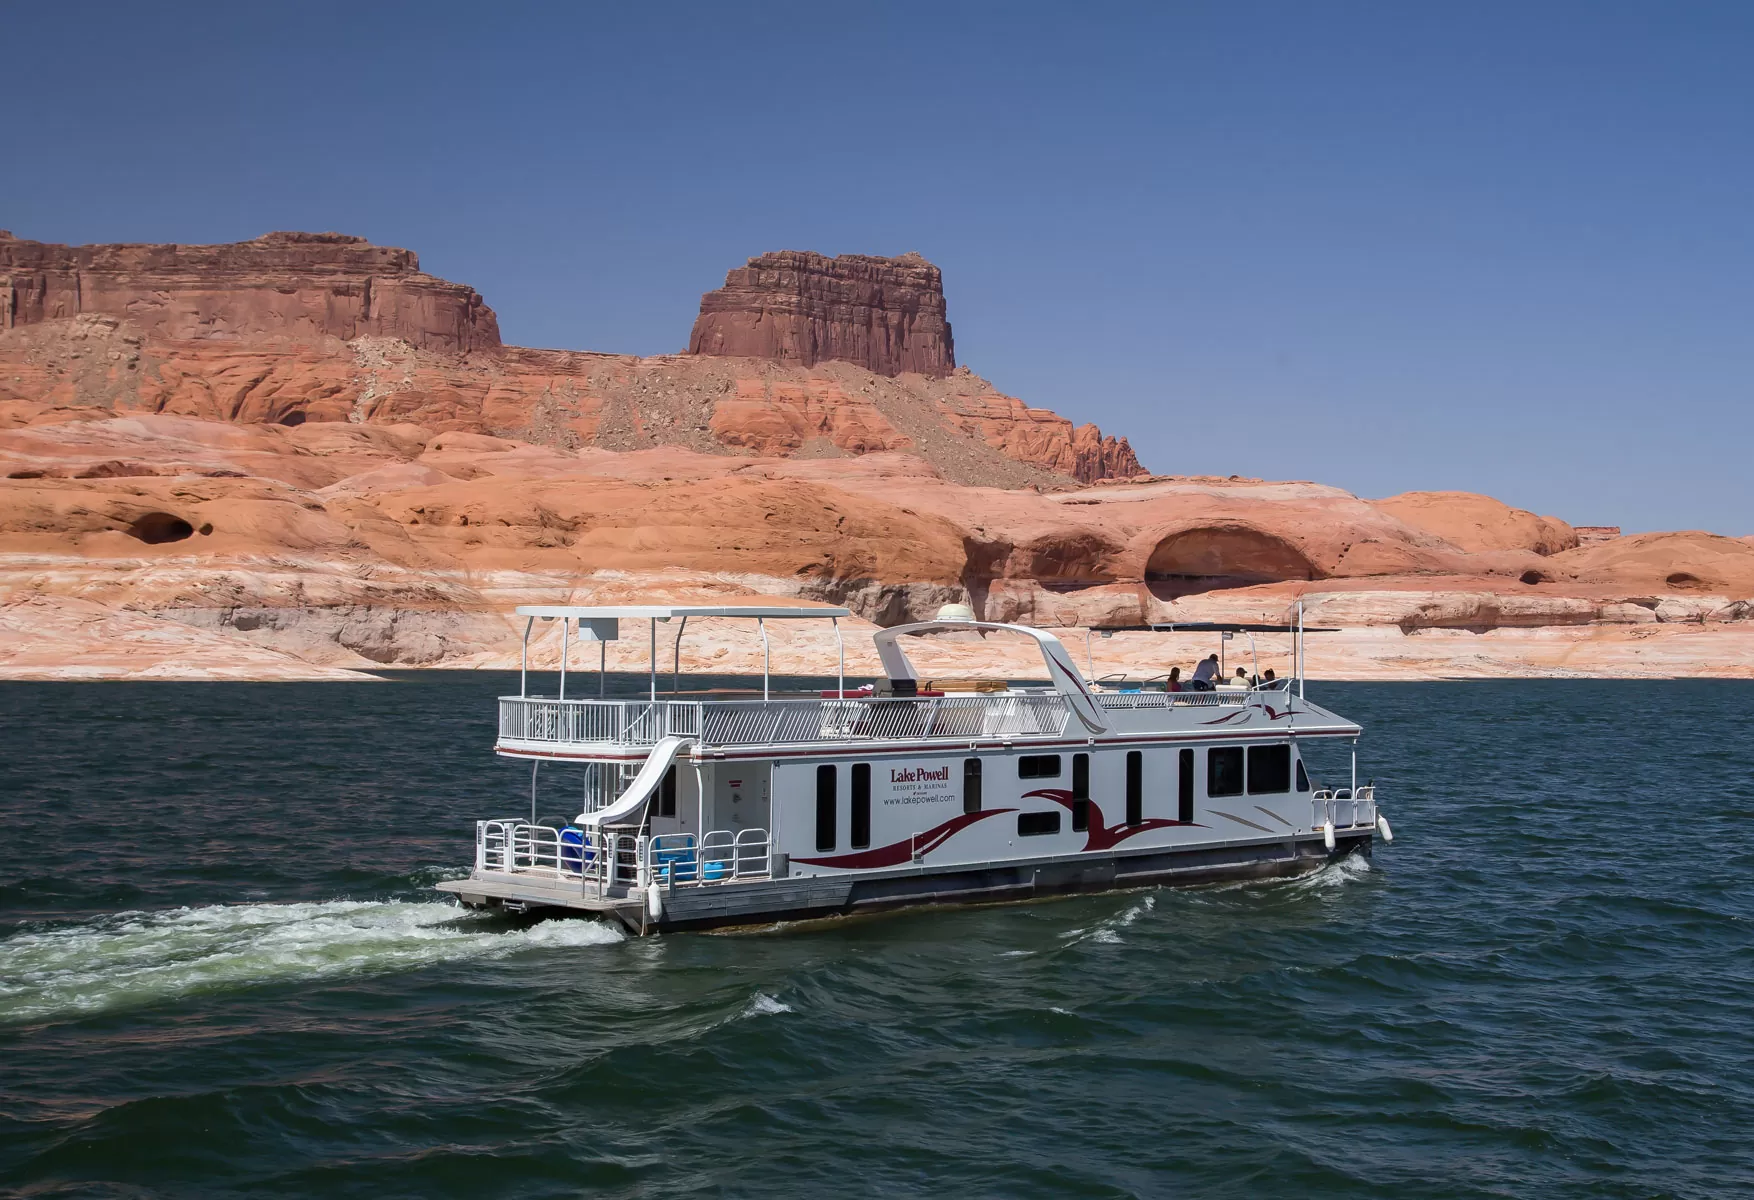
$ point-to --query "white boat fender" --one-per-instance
(1328, 836)
(1383, 830)
(655, 901)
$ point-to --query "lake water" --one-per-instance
(222, 974)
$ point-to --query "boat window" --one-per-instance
(667, 793)
(1135, 787)
(861, 822)
(1302, 778)
(1038, 766)
(1037, 824)
(1269, 769)
(1184, 788)
(826, 803)
(1080, 792)
(971, 785)
(1224, 771)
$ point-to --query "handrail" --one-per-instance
(1343, 808)
(1226, 698)
(958, 716)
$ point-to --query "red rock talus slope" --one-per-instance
(295, 328)
(884, 314)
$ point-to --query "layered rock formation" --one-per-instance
(298, 286)
(294, 328)
(157, 545)
(884, 314)
(1480, 523)
(200, 483)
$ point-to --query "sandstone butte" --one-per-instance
(301, 457)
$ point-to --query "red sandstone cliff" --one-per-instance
(884, 314)
(300, 327)
(281, 285)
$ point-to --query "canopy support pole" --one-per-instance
(761, 623)
(652, 625)
(1299, 655)
(524, 661)
(602, 666)
(565, 647)
(676, 663)
(535, 765)
(840, 678)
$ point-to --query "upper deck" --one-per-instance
(1067, 708)
(540, 727)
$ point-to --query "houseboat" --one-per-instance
(700, 810)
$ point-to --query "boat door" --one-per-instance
(740, 797)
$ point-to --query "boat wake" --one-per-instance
(762, 1004)
(1351, 869)
(1107, 931)
(134, 959)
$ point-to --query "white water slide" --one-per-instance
(644, 784)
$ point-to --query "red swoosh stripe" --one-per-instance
(1101, 836)
(896, 853)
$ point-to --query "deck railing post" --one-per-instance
(761, 624)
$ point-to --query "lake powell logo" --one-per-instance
(919, 774)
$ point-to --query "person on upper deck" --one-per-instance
(1205, 673)
(1238, 680)
(1267, 676)
(1174, 683)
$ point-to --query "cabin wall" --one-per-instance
(1029, 805)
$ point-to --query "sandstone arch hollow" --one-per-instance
(1207, 557)
(156, 528)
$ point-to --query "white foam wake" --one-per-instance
(1335, 874)
(1107, 931)
(142, 958)
(762, 1004)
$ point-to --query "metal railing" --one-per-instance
(784, 722)
(1221, 698)
(1344, 808)
(599, 861)
(603, 863)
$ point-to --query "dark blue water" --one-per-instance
(221, 975)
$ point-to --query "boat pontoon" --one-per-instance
(701, 810)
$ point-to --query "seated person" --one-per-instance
(1268, 678)
(1238, 680)
(1174, 683)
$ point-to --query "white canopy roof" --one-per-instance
(663, 612)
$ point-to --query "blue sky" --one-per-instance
(1498, 247)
